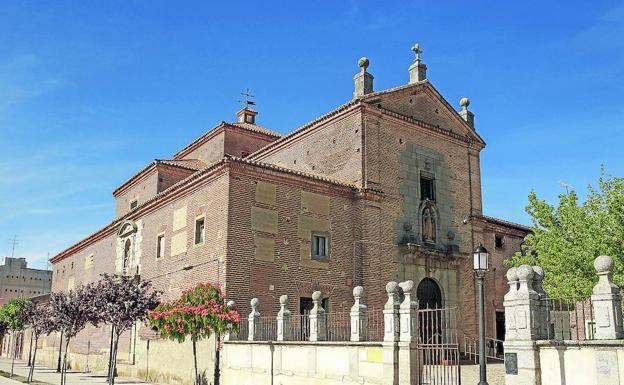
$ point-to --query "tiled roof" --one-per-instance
(503, 222)
(256, 128)
(191, 164)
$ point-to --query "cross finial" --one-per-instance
(417, 51)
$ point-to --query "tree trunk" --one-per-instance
(64, 368)
(195, 360)
(30, 349)
(217, 369)
(58, 365)
(114, 363)
(110, 353)
(14, 353)
(32, 367)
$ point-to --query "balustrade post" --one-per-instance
(391, 314)
(407, 314)
(318, 319)
(254, 320)
(606, 302)
(359, 320)
(284, 329)
(228, 335)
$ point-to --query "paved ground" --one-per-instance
(50, 376)
(495, 374)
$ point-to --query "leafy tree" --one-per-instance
(72, 311)
(40, 319)
(122, 301)
(198, 314)
(567, 237)
(12, 315)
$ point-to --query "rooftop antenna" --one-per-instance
(566, 186)
(13, 242)
(247, 98)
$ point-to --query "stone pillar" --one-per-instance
(253, 320)
(408, 335)
(522, 313)
(359, 319)
(363, 80)
(391, 314)
(228, 336)
(318, 319)
(284, 328)
(407, 314)
(606, 302)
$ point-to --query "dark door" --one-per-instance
(429, 294)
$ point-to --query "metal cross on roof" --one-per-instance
(417, 51)
(247, 101)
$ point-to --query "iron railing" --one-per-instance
(493, 349)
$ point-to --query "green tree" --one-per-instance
(567, 237)
(12, 313)
(198, 314)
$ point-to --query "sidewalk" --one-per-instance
(50, 376)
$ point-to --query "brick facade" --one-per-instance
(354, 175)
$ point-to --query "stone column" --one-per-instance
(318, 319)
(359, 319)
(284, 329)
(391, 314)
(522, 308)
(408, 335)
(228, 336)
(606, 302)
(253, 320)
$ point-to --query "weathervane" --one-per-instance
(247, 98)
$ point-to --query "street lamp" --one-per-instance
(480, 258)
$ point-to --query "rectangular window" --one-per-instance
(160, 247)
(320, 246)
(199, 230)
(134, 204)
(499, 241)
(427, 187)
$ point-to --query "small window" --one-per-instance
(499, 241)
(134, 204)
(160, 248)
(427, 187)
(199, 230)
(320, 247)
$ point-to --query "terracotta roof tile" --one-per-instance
(256, 128)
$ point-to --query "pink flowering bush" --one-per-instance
(200, 312)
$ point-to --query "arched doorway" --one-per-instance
(429, 294)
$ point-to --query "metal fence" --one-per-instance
(438, 346)
(570, 319)
(337, 327)
(493, 349)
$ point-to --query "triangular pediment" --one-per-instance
(421, 101)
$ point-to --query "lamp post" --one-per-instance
(480, 258)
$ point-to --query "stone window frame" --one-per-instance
(160, 250)
(316, 257)
(428, 175)
(201, 217)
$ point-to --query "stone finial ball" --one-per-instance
(391, 287)
(363, 62)
(407, 286)
(464, 102)
(512, 274)
(254, 302)
(358, 291)
(230, 304)
(525, 272)
(283, 299)
(316, 296)
(538, 273)
(603, 264)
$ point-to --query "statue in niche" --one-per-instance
(428, 225)
(126, 254)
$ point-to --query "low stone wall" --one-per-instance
(319, 363)
(581, 362)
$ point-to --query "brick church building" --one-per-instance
(384, 187)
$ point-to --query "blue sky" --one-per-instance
(92, 91)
